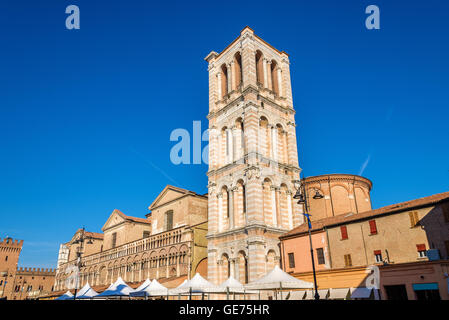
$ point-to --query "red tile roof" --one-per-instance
(134, 219)
(352, 217)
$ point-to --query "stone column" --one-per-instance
(229, 76)
(231, 208)
(232, 268)
(265, 73)
(278, 207)
(220, 93)
(274, 149)
(289, 210)
(279, 71)
(269, 77)
(232, 68)
(178, 271)
(235, 143)
(230, 145)
(274, 205)
(220, 211)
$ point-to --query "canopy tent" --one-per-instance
(154, 288)
(145, 284)
(66, 296)
(231, 285)
(118, 289)
(196, 285)
(364, 293)
(340, 293)
(86, 292)
(278, 279)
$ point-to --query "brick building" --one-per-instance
(168, 245)
(253, 159)
(408, 241)
(21, 283)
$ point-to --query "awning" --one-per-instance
(425, 286)
(297, 295)
(339, 293)
(323, 293)
(361, 293)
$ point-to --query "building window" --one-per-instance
(348, 260)
(320, 255)
(169, 220)
(146, 234)
(414, 220)
(114, 239)
(291, 260)
(422, 252)
(6, 258)
(344, 232)
(378, 256)
(372, 227)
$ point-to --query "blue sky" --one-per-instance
(86, 115)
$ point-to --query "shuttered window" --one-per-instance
(344, 232)
(422, 252)
(414, 219)
(348, 260)
(291, 260)
(372, 227)
(320, 256)
(378, 255)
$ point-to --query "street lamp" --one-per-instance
(80, 240)
(301, 196)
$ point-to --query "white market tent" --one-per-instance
(86, 292)
(118, 289)
(145, 284)
(231, 285)
(66, 296)
(196, 285)
(154, 288)
(277, 279)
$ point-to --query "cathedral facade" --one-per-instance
(253, 159)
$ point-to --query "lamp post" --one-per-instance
(301, 196)
(80, 240)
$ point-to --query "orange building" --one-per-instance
(408, 242)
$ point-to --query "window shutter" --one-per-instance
(412, 219)
(373, 227)
(344, 232)
(421, 247)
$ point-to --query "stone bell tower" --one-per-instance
(253, 158)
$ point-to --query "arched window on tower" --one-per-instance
(274, 77)
(259, 68)
(238, 70)
(224, 81)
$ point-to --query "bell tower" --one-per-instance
(253, 158)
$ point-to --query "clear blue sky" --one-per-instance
(86, 114)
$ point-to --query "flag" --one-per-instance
(308, 219)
